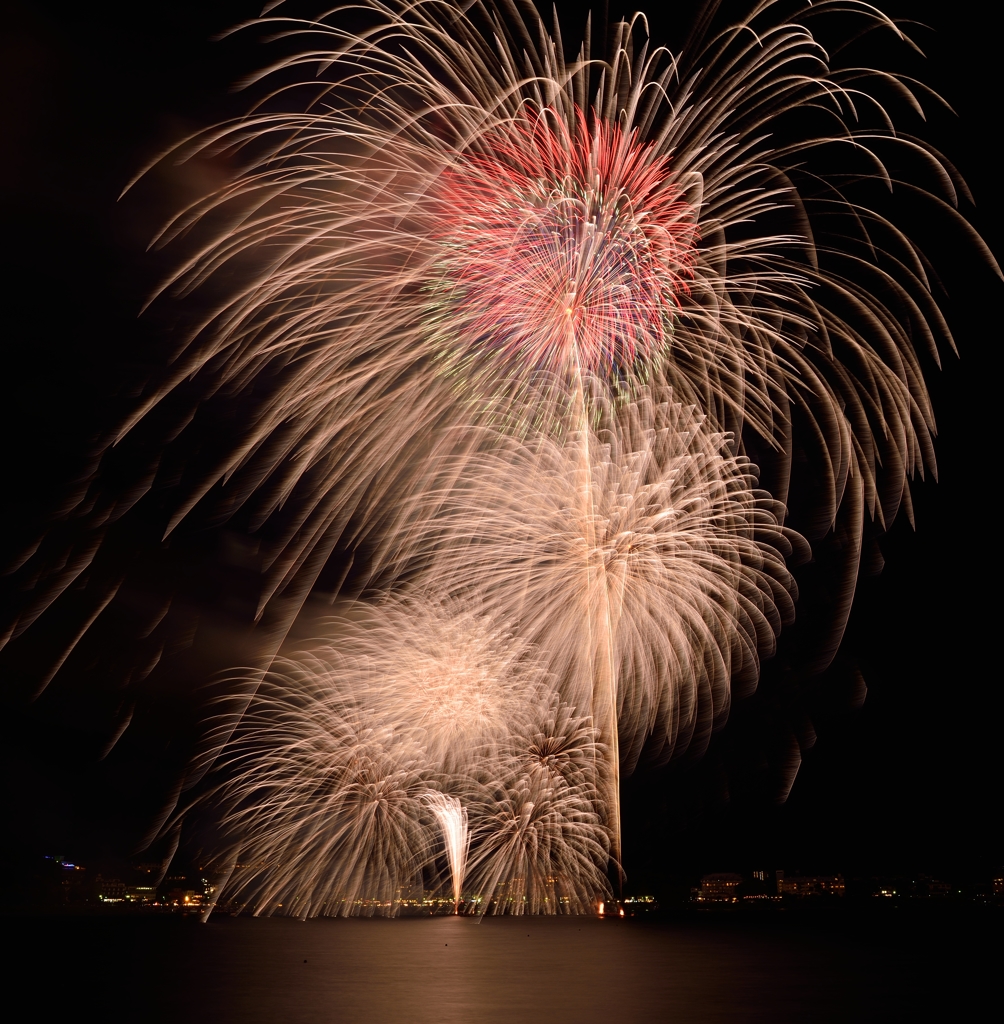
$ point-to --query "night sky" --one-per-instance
(910, 781)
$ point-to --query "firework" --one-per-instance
(439, 669)
(340, 802)
(565, 254)
(452, 817)
(506, 327)
(467, 228)
(328, 808)
(539, 840)
(640, 560)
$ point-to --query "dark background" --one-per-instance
(911, 781)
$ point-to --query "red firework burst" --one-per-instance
(565, 248)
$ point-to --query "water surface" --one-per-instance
(506, 971)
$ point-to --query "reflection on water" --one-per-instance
(509, 971)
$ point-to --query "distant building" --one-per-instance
(999, 886)
(110, 890)
(184, 898)
(635, 906)
(759, 889)
(931, 887)
(811, 885)
(720, 888)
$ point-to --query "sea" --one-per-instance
(846, 967)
